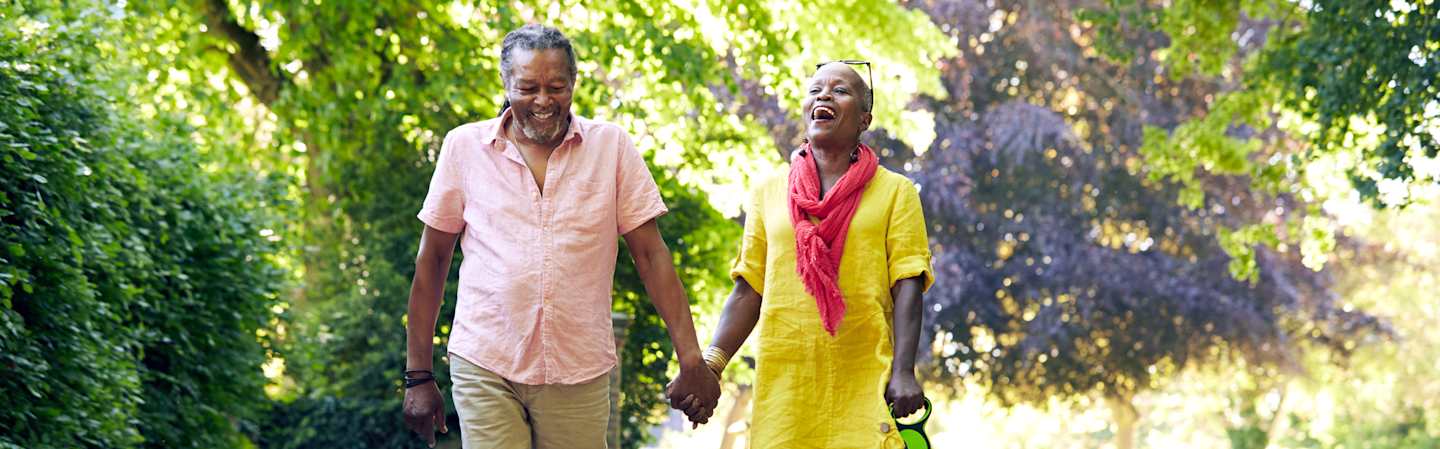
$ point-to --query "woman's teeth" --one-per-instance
(822, 113)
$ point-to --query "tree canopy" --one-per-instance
(137, 290)
(221, 214)
(1308, 93)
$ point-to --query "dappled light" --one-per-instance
(1164, 224)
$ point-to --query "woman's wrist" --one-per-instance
(716, 359)
(899, 370)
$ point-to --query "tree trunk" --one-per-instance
(319, 226)
(738, 411)
(252, 64)
(1275, 414)
(250, 60)
(1126, 418)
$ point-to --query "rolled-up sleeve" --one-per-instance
(907, 246)
(750, 262)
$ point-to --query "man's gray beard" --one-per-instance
(539, 135)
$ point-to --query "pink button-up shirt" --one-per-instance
(534, 300)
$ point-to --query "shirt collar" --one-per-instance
(498, 134)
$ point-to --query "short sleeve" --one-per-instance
(750, 262)
(637, 197)
(907, 247)
(444, 207)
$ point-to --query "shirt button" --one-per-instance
(884, 427)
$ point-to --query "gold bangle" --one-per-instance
(716, 354)
(716, 359)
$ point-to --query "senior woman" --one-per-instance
(833, 264)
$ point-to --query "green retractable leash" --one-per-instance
(914, 433)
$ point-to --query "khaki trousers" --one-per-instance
(498, 414)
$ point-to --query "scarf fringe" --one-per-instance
(818, 270)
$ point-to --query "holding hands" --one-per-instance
(695, 391)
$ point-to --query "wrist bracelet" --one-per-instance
(415, 381)
(716, 359)
(412, 383)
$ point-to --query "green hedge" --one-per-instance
(132, 281)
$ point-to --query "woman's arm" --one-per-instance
(904, 392)
(737, 320)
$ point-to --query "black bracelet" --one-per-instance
(411, 382)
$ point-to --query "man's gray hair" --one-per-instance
(534, 37)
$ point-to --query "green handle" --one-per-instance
(914, 433)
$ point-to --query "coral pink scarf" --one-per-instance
(818, 248)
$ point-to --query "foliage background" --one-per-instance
(208, 206)
(134, 282)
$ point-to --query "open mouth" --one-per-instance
(820, 113)
(543, 116)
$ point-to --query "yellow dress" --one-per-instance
(814, 390)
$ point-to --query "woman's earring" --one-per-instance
(855, 155)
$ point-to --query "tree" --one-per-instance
(359, 95)
(133, 285)
(1390, 391)
(1063, 269)
(1066, 269)
(1345, 66)
(1029, 146)
(1308, 91)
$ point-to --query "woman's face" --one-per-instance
(834, 106)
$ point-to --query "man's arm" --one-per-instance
(424, 406)
(904, 392)
(432, 264)
(657, 271)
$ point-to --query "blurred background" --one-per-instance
(1169, 224)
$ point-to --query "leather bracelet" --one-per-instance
(412, 382)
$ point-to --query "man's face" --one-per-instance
(833, 107)
(539, 91)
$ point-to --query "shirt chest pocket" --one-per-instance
(588, 205)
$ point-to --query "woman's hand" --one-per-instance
(904, 394)
(696, 392)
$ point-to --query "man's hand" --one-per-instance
(424, 408)
(425, 411)
(695, 391)
(904, 394)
